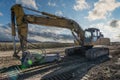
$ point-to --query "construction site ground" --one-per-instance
(109, 70)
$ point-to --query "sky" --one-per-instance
(101, 14)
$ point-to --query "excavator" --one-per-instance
(84, 45)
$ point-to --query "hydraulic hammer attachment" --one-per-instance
(35, 58)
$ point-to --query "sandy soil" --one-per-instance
(6, 58)
(109, 70)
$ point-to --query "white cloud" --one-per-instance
(52, 34)
(60, 13)
(109, 31)
(28, 3)
(80, 5)
(39, 33)
(102, 8)
(55, 30)
(1, 24)
(51, 4)
(43, 39)
(64, 5)
(1, 14)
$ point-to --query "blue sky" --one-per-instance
(88, 13)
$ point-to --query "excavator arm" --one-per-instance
(58, 22)
(22, 20)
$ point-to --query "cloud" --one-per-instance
(53, 34)
(80, 5)
(59, 13)
(5, 33)
(50, 35)
(1, 24)
(115, 23)
(39, 33)
(28, 3)
(51, 4)
(44, 39)
(38, 28)
(109, 31)
(1, 14)
(63, 5)
(102, 8)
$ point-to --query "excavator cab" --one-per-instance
(93, 36)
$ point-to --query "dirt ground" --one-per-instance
(109, 70)
(6, 58)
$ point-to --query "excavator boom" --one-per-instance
(46, 19)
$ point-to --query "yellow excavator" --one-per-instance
(84, 44)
